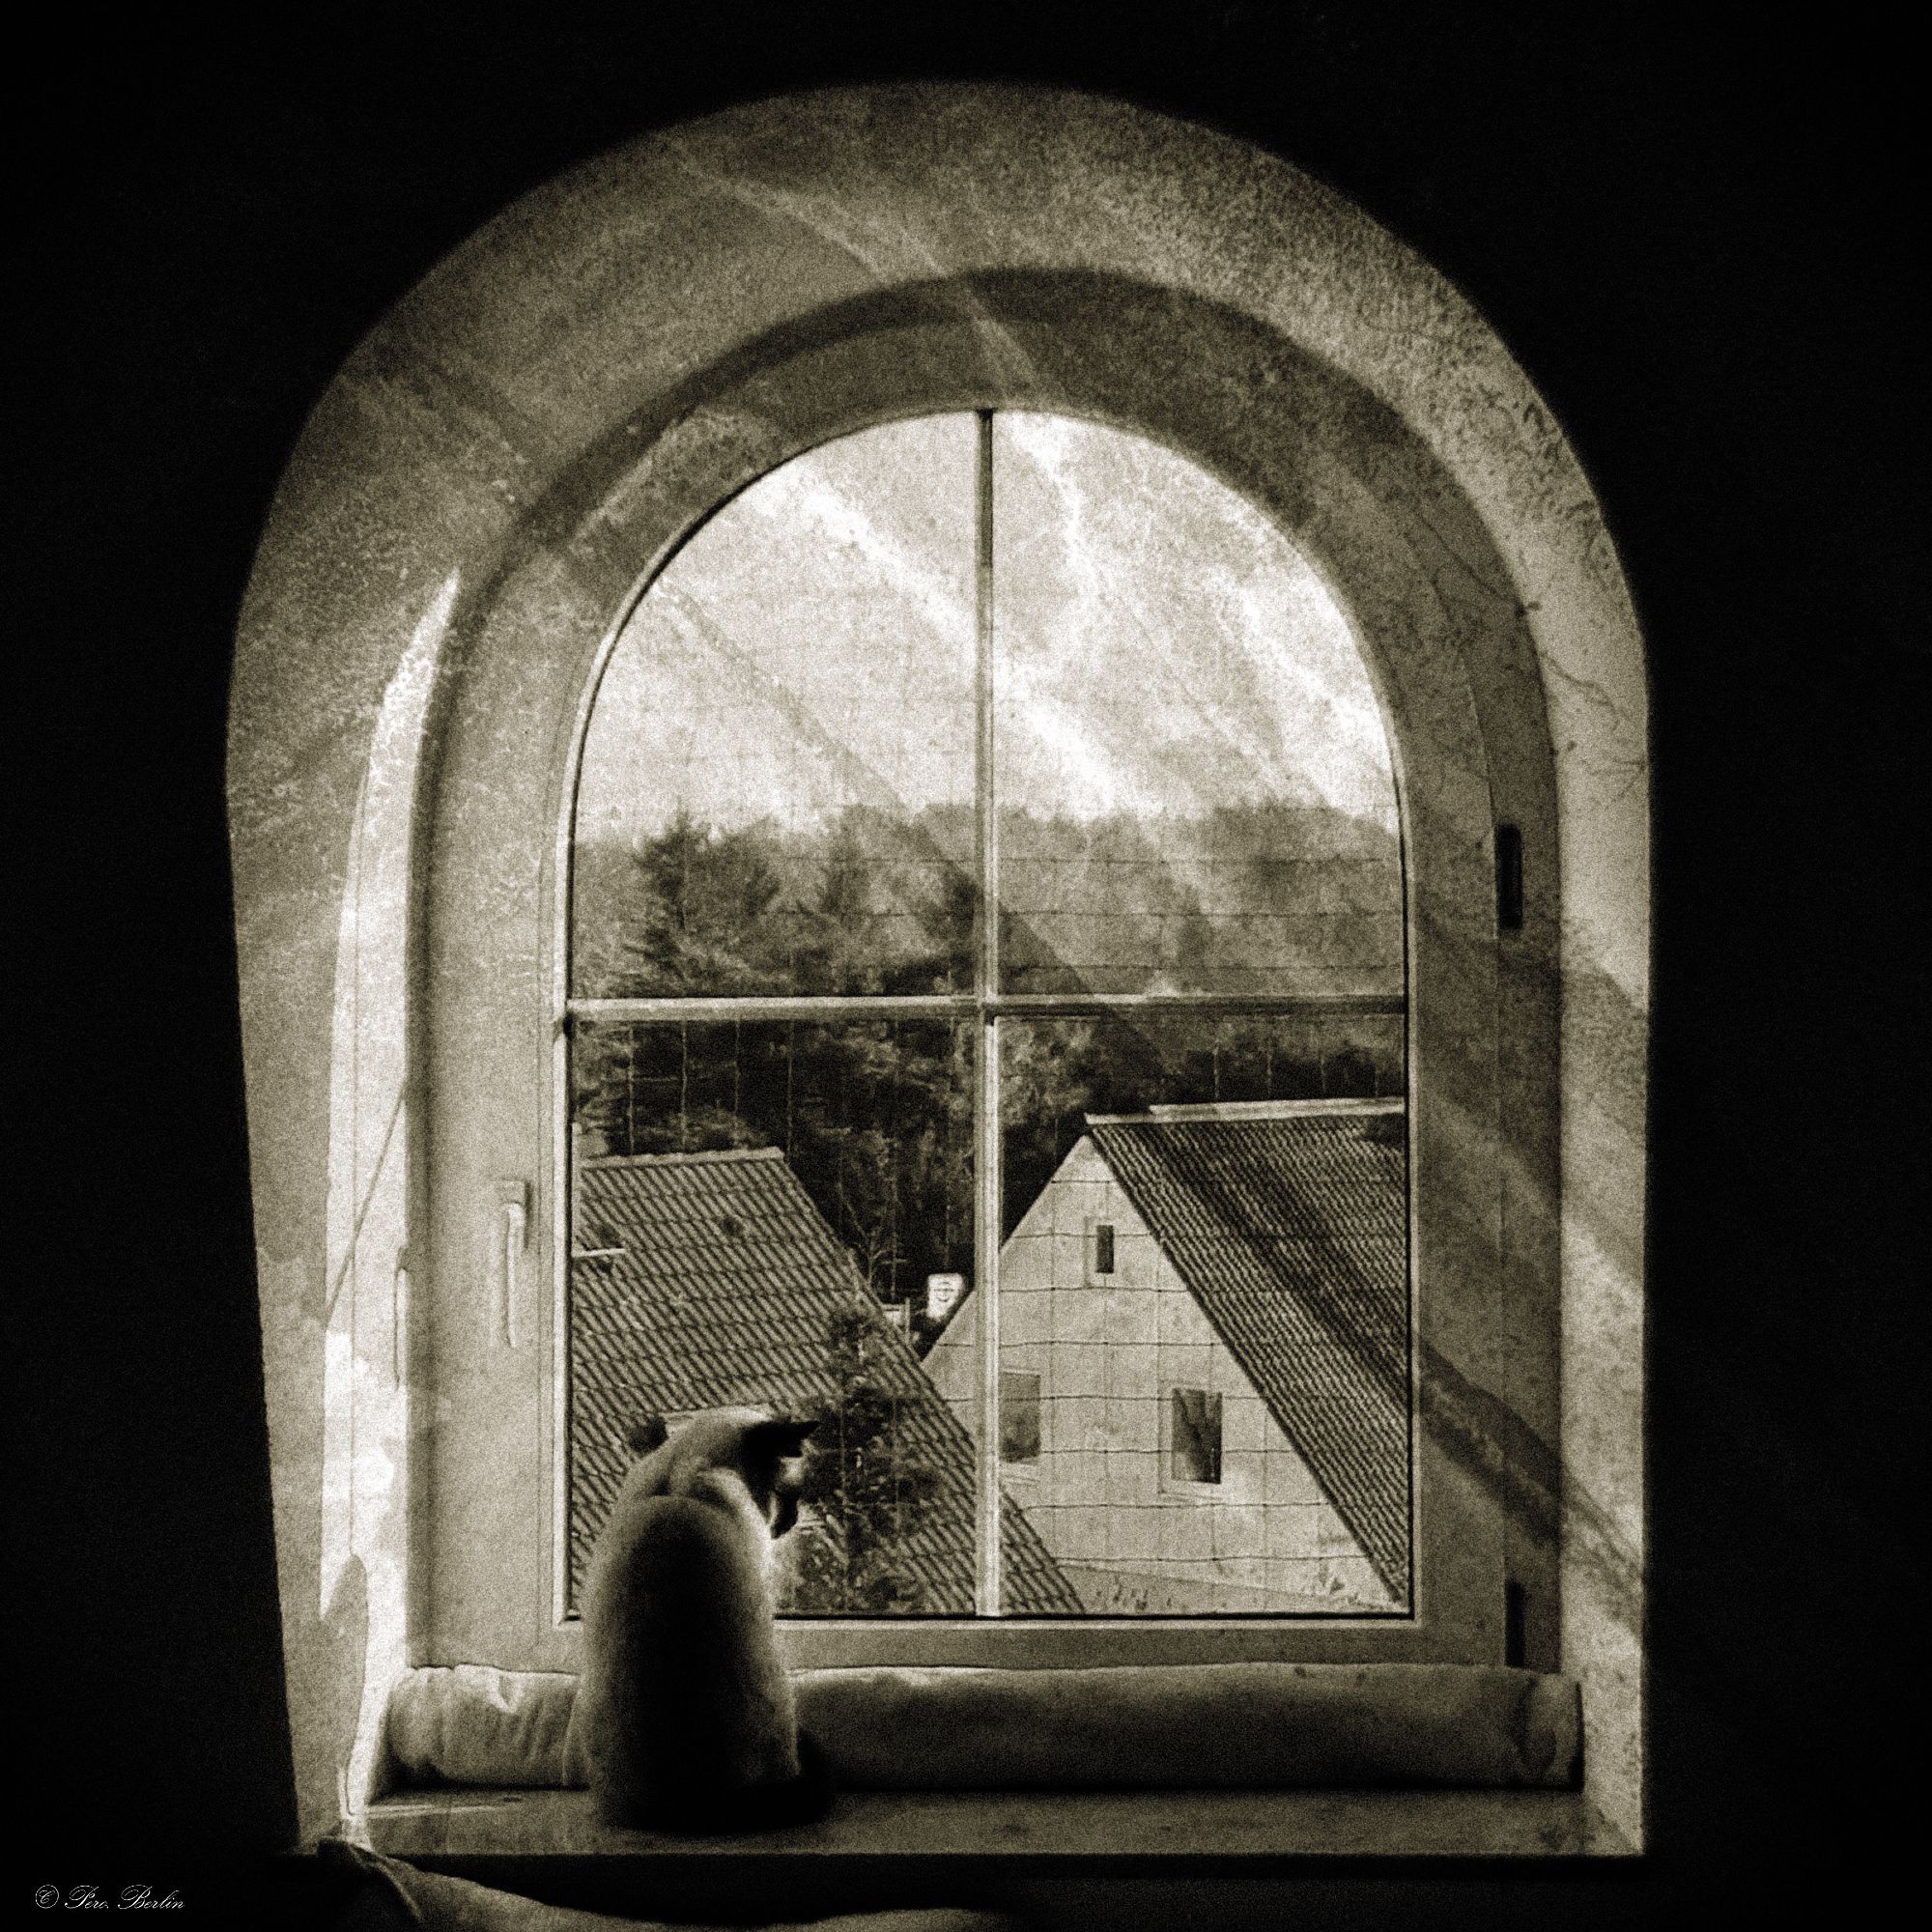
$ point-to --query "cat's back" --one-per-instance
(682, 1689)
(675, 1579)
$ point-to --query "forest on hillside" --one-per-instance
(1242, 900)
(875, 1116)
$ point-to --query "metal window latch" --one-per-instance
(1509, 877)
(512, 1236)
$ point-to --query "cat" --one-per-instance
(684, 1717)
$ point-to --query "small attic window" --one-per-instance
(1102, 1257)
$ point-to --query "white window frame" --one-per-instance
(986, 1006)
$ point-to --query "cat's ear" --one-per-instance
(648, 1434)
(781, 1438)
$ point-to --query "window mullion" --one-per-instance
(752, 1006)
(743, 1007)
(986, 1048)
(987, 974)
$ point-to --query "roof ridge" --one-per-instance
(1232, 1111)
(704, 1157)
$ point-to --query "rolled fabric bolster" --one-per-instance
(1194, 1727)
(1148, 1727)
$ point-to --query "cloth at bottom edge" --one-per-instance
(440, 1903)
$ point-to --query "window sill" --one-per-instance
(481, 1824)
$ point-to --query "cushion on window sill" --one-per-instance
(402, 1896)
(1208, 1726)
(473, 1725)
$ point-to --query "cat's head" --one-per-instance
(765, 1451)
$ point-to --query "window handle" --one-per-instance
(513, 1226)
(399, 1318)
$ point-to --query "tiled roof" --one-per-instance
(723, 1293)
(1289, 1227)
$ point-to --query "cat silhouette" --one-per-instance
(684, 1718)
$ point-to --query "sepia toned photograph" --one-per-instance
(993, 1026)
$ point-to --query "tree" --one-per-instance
(864, 1483)
(705, 920)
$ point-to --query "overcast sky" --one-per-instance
(1160, 646)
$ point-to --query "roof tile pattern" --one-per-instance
(1292, 1233)
(723, 1295)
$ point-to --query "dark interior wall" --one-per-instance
(1692, 243)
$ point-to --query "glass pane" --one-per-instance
(1195, 790)
(1224, 1419)
(782, 1213)
(777, 786)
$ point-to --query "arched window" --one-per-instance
(1056, 784)
(952, 665)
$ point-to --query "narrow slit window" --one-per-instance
(1103, 1248)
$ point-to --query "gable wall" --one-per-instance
(1108, 1356)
